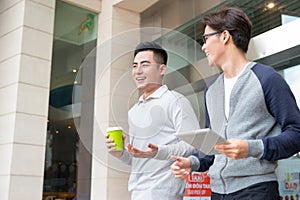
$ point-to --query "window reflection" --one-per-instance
(75, 36)
(292, 75)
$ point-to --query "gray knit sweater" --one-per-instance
(264, 112)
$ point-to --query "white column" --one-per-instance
(107, 181)
(25, 63)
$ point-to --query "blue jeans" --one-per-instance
(259, 191)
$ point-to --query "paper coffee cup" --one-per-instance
(115, 133)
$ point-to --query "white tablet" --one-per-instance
(202, 139)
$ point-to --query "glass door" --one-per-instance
(75, 36)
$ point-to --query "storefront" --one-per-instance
(66, 62)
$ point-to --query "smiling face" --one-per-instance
(146, 72)
(213, 47)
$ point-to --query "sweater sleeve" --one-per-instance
(200, 162)
(180, 148)
(183, 118)
(283, 107)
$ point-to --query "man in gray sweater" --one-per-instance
(251, 106)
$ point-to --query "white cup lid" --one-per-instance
(114, 128)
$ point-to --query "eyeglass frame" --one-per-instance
(209, 34)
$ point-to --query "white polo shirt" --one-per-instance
(155, 120)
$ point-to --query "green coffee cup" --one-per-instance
(115, 133)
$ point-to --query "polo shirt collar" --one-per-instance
(155, 95)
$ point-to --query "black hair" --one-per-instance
(160, 54)
(235, 21)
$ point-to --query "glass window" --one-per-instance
(75, 36)
(292, 75)
(265, 15)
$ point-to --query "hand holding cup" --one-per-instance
(115, 141)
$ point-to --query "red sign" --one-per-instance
(198, 185)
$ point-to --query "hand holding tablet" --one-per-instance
(202, 139)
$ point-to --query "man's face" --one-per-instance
(146, 72)
(212, 47)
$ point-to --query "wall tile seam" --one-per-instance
(24, 175)
(29, 27)
(8, 58)
(8, 85)
(13, 5)
(24, 83)
(127, 22)
(28, 144)
(36, 2)
(45, 5)
(11, 31)
(24, 113)
(34, 56)
(37, 86)
(20, 54)
(39, 30)
(118, 7)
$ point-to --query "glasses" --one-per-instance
(204, 36)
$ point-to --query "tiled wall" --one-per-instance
(26, 35)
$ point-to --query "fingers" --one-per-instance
(176, 158)
(132, 149)
(110, 144)
(179, 172)
(183, 174)
(152, 146)
(178, 168)
(175, 167)
(138, 153)
(129, 146)
(236, 149)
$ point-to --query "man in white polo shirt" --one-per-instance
(153, 121)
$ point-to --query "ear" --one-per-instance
(225, 36)
(162, 69)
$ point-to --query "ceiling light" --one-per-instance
(270, 5)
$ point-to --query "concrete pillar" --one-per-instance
(25, 62)
(113, 63)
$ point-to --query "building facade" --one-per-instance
(65, 77)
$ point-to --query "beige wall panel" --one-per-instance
(25, 133)
(27, 161)
(37, 43)
(9, 71)
(11, 18)
(7, 128)
(5, 4)
(35, 67)
(25, 187)
(10, 44)
(32, 100)
(9, 103)
(39, 17)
